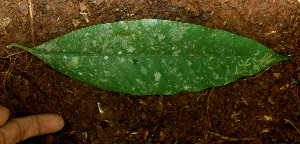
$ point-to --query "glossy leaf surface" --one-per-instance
(154, 57)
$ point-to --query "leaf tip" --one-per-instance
(286, 57)
(9, 47)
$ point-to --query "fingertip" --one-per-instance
(4, 113)
(60, 122)
(23, 128)
(50, 123)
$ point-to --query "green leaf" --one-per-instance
(154, 57)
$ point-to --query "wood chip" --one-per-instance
(277, 75)
(86, 18)
(4, 22)
(75, 22)
(82, 6)
(268, 118)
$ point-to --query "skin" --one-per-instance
(20, 129)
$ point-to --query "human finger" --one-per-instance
(4, 114)
(20, 129)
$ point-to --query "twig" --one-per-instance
(160, 105)
(207, 107)
(31, 23)
(232, 138)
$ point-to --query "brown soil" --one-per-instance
(258, 109)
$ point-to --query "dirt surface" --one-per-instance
(260, 109)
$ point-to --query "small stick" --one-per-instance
(31, 23)
(100, 109)
(232, 138)
(207, 107)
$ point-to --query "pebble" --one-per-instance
(160, 17)
(175, 9)
(294, 81)
(205, 16)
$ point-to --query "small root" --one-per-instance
(200, 95)
(9, 56)
(291, 123)
(232, 138)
